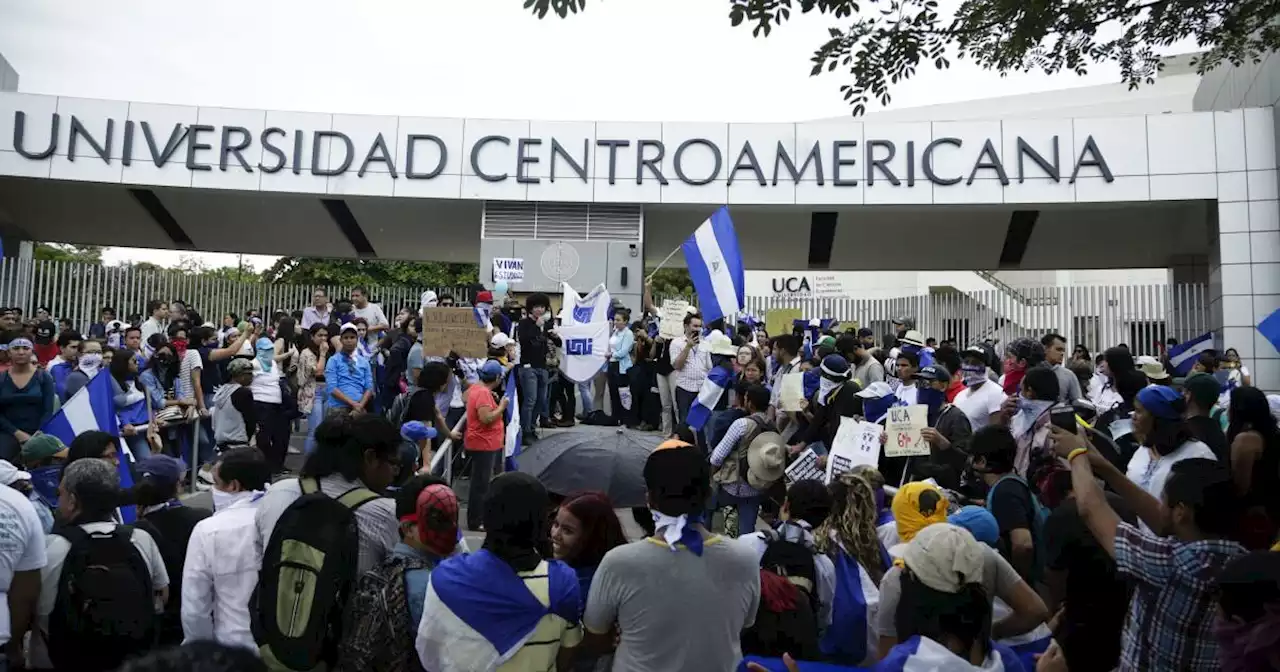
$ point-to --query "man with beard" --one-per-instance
(854, 349)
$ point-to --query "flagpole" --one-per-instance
(664, 263)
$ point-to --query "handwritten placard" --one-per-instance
(791, 396)
(453, 329)
(804, 467)
(905, 425)
(671, 325)
(778, 321)
(856, 443)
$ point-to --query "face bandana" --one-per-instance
(1013, 380)
(825, 387)
(874, 409)
(180, 346)
(1029, 411)
(973, 374)
(222, 500)
(679, 530)
(90, 362)
(265, 351)
(934, 399)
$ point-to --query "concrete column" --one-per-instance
(1244, 270)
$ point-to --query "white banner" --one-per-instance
(586, 349)
(507, 269)
(590, 309)
(856, 442)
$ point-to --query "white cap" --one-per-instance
(428, 299)
(349, 326)
(500, 341)
(876, 390)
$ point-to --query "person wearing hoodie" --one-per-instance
(64, 363)
(87, 366)
(235, 418)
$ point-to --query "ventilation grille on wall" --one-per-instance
(561, 221)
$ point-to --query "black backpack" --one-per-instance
(309, 569)
(793, 631)
(104, 611)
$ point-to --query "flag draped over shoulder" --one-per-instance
(715, 266)
(856, 598)
(919, 653)
(93, 408)
(478, 611)
(718, 380)
(1183, 355)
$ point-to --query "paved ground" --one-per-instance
(461, 486)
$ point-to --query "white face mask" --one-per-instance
(222, 500)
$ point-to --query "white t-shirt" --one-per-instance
(1150, 471)
(907, 394)
(21, 546)
(372, 313)
(979, 403)
(190, 362)
(266, 384)
(57, 549)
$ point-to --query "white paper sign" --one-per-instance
(905, 424)
(791, 396)
(804, 467)
(856, 442)
(671, 324)
(508, 269)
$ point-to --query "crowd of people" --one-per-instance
(1072, 514)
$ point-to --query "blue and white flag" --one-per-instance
(512, 418)
(93, 408)
(478, 612)
(715, 266)
(922, 653)
(589, 309)
(850, 637)
(586, 350)
(718, 380)
(1270, 329)
(1183, 355)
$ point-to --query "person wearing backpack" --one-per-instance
(1011, 500)
(104, 583)
(318, 534)
(745, 467)
(162, 515)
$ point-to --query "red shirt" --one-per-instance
(956, 386)
(479, 436)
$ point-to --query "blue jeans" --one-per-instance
(748, 509)
(313, 421)
(533, 397)
(138, 446)
(584, 393)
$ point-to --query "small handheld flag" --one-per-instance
(1183, 356)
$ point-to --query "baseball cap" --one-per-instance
(865, 332)
(936, 372)
(490, 372)
(347, 327)
(484, 297)
(827, 342)
(876, 390)
(500, 341)
(115, 325)
(161, 468)
(238, 366)
(415, 431)
(43, 446)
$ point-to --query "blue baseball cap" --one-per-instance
(1162, 401)
(161, 468)
(416, 431)
(491, 371)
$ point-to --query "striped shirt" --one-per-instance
(376, 521)
(732, 436)
(551, 634)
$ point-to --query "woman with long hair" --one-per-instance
(851, 526)
(310, 376)
(130, 398)
(1236, 370)
(1255, 465)
(584, 529)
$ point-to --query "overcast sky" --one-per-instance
(622, 60)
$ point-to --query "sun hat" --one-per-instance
(766, 460)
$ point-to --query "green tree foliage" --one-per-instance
(881, 42)
(309, 271)
(85, 254)
(671, 281)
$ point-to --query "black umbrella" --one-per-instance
(608, 459)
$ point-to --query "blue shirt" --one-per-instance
(155, 390)
(350, 374)
(620, 344)
(60, 370)
(415, 581)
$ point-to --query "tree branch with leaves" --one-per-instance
(883, 42)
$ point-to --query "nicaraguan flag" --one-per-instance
(1270, 329)
(589, 309)
(586, 349)
(1183, 355)
(718, 380)
(478, 611)
(715, 266)
(921, 653)
(93, 408)
(849, 637)
(512, 419)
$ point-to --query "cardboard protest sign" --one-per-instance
(791, 396)
(905, 425)
(672, 315)
(856, 442)
(804, 467)
(446, 329)
(778, 321)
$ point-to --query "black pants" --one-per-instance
(273, 433)
(617, 381)
(645, 405)
(563, 395)
(684, 400)
(483, 463)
